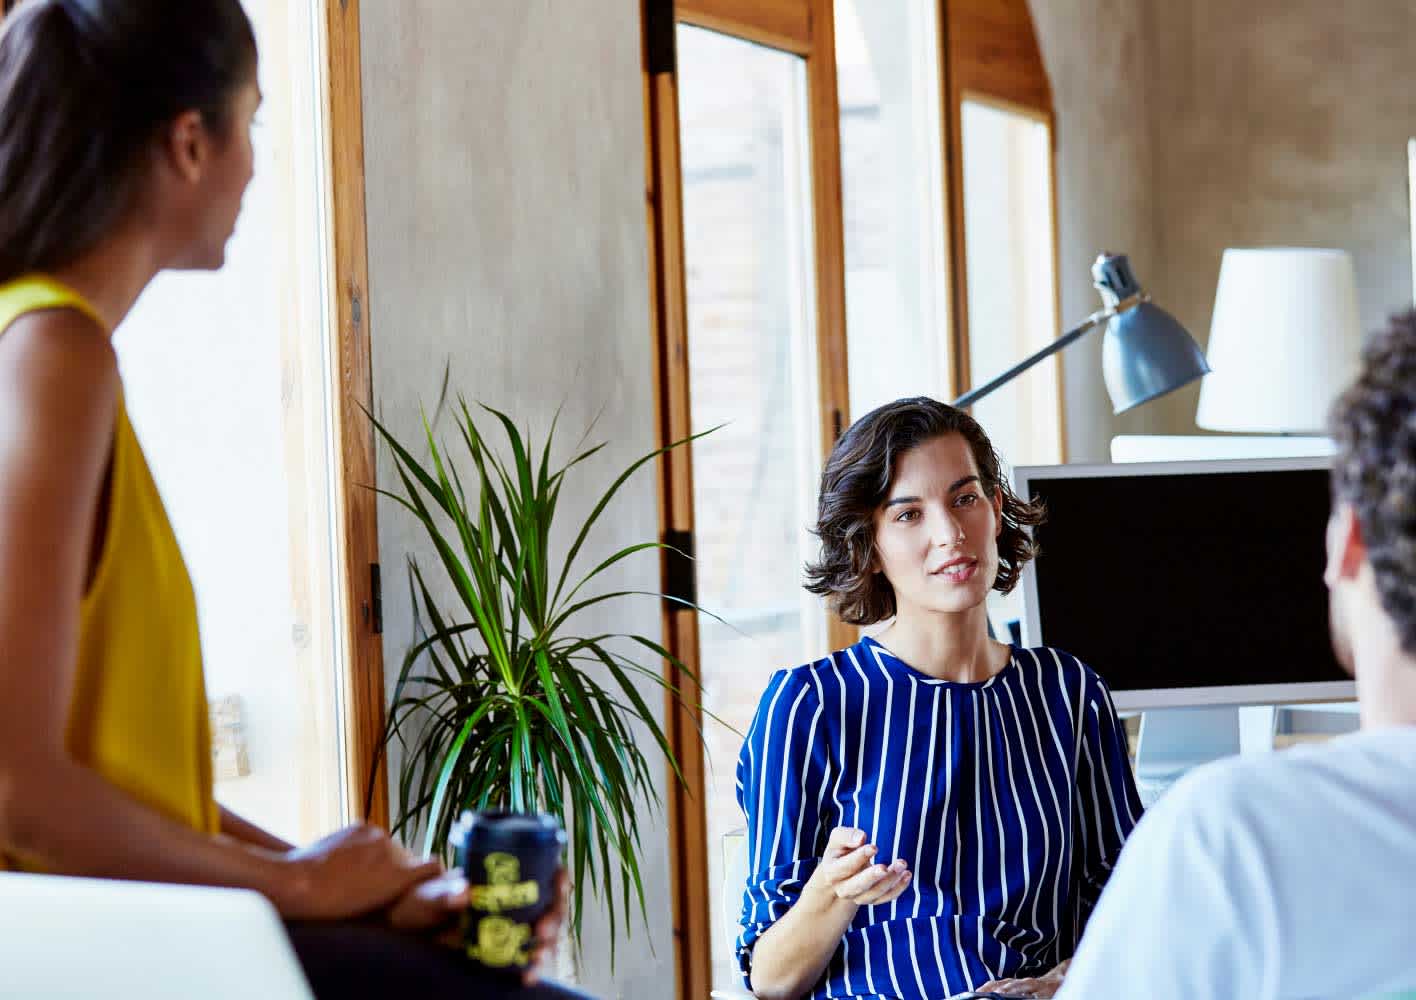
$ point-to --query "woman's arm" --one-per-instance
(792, 954)
(247, 832)
(793, 927)
(58, 396)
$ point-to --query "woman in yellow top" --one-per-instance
(125, 150)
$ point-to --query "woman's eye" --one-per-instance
(967, 500)
(909, 515)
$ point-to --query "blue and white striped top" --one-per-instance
(1010, 798)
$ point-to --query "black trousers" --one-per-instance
(345, 961)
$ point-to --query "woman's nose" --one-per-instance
(948, 532)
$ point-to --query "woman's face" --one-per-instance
(207, 176)
(232, 168)
(936, 534)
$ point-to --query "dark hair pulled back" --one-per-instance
(85, 86)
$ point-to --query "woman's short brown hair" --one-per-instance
(854, 485)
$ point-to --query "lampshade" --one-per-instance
(1145, 352)
(1284, 340)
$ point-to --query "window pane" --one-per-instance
(887, 54)
(226, 378)
(1012, 296)
(753, 367)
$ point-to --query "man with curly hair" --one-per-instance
(1292, 875)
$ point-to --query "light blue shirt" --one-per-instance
(1288, 876)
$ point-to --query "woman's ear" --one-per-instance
(186, 146)
(998, 511)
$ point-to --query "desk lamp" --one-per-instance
(1145, 354)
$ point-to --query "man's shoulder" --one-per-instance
(1365, 776)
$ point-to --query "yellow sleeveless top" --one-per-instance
(139, 710)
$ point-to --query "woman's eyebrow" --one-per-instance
(896, 501)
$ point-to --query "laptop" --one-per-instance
(83, 938)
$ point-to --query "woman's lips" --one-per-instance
(958, 572)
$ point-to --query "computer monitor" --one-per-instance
(1187, 584)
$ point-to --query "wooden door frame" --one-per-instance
(1007, 68)
(354, 432)
(804, 28)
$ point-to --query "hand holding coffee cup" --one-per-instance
(515, 888)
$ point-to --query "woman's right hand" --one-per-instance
(350, 873)
(847, 871)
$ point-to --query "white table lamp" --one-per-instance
(1284, 340)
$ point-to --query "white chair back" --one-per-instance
(71, 938)
(735, 871)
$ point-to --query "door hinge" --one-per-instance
(659, 39)
(680, 577)
(375, 599)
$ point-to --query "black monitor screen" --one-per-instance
(1190, 580)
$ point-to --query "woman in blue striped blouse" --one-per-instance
(929, 812)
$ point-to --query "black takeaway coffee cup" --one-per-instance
(510, 861)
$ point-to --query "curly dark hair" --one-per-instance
(854, 485)
(1374, 425)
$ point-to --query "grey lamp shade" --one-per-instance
(1145, 352)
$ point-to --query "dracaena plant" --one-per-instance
(501, 703)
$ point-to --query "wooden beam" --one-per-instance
(960, 365)
(828, 231)
(354, 433)
(777, 24)
(993, 51)
(688, 825)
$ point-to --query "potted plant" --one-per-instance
(503, 704)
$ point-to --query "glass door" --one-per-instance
(1010, 261)
(752, 372)
(230, 385)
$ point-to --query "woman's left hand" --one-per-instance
(431, 905)
(1044, 986)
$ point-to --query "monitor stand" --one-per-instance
(1173, 740)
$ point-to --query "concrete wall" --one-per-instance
(505, 156)
(1184, 128)
(1279, 123)
(1095, 53)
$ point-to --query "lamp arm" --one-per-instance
(1074, 334)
